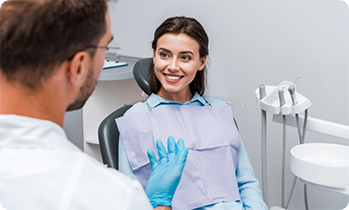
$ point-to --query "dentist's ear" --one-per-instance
(203, 62)
(77, 68)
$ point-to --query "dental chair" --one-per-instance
(108, 132)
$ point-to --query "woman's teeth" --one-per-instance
(173, 77)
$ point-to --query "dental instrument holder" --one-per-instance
(270, 103)
(278, 101)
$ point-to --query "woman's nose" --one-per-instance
(173, 65)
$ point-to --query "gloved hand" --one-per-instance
(165, 177)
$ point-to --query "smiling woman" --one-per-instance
(218, 173)
(184, 40)
(176, 63)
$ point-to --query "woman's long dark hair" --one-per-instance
(192, 28)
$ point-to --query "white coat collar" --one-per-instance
(26, 132)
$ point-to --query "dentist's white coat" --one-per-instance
(41, 169)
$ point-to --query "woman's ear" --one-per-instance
(203, 62)
(78, 66)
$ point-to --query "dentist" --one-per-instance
(52, 53)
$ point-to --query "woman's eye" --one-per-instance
(163, 55)
(186, 58)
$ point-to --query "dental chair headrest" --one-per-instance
(140, 73)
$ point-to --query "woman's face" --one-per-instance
(176, 61)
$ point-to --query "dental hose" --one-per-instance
(301, 140)
(283, 160)
(282, 102)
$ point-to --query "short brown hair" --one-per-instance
(37, 36)
(192, 28)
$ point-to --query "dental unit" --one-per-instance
(320, 165)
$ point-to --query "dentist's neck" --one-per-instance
(43, 104)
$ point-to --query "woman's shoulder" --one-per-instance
(215, 101)
(137, 107)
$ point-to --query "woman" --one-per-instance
(218, 173)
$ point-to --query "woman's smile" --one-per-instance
(172, 78)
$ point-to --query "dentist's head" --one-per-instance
(52, 51)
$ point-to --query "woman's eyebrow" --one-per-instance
(185, 52)
(161, 48)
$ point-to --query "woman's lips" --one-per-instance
(173, 78)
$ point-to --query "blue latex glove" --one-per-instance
(165, 176)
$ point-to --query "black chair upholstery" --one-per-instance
(108, 132)
(140, 73)
(108, 137)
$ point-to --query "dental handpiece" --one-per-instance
(281, 97)
(292, 91)
(262, 92)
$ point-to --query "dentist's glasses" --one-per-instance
(93, 46)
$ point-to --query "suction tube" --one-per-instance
(282, 102)
(301, 140)
(301, 136)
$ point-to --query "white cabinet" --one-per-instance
(116, 87)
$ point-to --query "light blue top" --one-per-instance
(250, 193)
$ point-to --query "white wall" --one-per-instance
(73, 127)
(261, 42)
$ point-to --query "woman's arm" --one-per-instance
(250, 193)
(124, 164)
